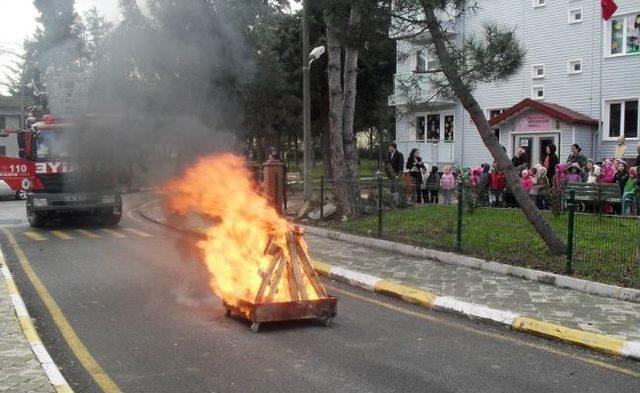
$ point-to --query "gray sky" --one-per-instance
(19, 22)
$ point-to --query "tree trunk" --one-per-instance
(336, 124)
(348, 115)
(463, 93)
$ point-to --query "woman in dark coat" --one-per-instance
(551, 160)
(412, 159)
(576, 156)
(519, 160)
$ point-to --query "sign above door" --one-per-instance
(534, 122)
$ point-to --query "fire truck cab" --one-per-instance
(59, 184)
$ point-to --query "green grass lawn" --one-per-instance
(604, 246)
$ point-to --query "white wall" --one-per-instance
(548, 38)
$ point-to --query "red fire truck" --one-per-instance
(58, 185)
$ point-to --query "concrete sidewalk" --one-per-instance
(25, 365)
(614, 322)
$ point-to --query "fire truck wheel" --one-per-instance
(35, 220)
(21, 195)
(111, 219)
(327, 321)
(255, 327)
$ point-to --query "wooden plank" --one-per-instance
(293, 285)
(305, 262)
(295, 266)
(273, 287)
(266, 277)
(271, 248)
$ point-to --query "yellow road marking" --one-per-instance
(113, 233)
(496, 336)
(35, 236)
(94, 369)
(137, 232)
(88, 234)
(62, 235)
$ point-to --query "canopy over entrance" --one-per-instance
(554, 110)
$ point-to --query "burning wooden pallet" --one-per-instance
(306, 301)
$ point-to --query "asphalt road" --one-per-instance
(137, 302)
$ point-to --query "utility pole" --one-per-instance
(306, 87)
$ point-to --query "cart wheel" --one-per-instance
(227, 312)
(327, 321)
(255, 327)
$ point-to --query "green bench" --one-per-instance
(593, 193)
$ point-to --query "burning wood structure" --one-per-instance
(257, 262)
(306, 301)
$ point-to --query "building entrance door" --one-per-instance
(535, 146)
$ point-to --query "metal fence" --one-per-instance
(600, 247)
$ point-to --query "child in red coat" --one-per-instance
(496, 186)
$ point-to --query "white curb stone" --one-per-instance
(358, 279)
(475, 310)
(631, 349)
(50, 368)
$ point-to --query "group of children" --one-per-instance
(429, 183)
(489, 185)
(540, 186)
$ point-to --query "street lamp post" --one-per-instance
(307, 59)
(306, 92)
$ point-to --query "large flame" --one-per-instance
(221, 187)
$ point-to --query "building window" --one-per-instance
(622, 119)
(537, 71)
(574, 66)
(449, 128)
(575, 15)
(539, 3)
(433, 63)
(3, 150)
(3, 122)
(537, 92)
(624, 35)
(426, 60)
(433, 127)
(420, 128)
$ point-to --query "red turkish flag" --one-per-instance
(609, 7)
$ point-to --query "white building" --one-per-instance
(580, 83)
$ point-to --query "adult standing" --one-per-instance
(394, 162)
(551, 160)
(411, 160)
(393, 165)
(576, 156)
(519, 159)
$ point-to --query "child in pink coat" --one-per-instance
(608, 172)
(447, 184)
(527, 181)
